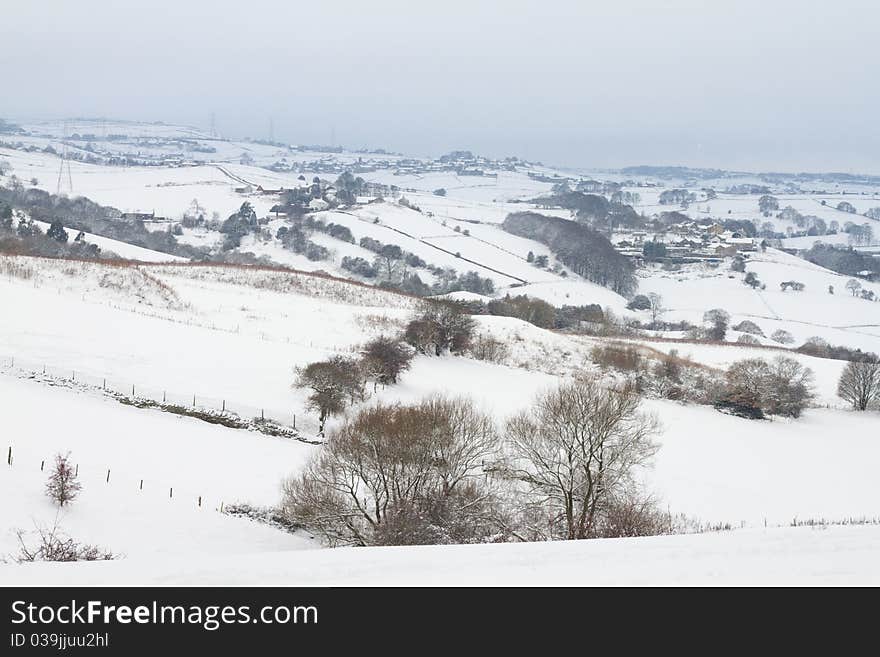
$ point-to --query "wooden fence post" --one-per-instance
(42, 465)
(142, 485)
(108, 476)
(9, 456)
(171, 492)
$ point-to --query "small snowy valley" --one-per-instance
(169, 359)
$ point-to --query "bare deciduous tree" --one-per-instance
(385, 359)
(63, 486)
(754, 387)
(399, 474)
(334, 384)
(578, 447)
(718, 321)
(443, 326)
(860, 383)
(657, 308)
(854, 286)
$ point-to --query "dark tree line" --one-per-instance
(80, 214)
(24, 237)
(842, 260)
(582, 249)
(592, 209)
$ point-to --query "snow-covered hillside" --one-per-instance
(179, 460)
(83, 343)
(836, 316)
(236, 335)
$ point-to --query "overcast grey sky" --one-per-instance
(756, 84)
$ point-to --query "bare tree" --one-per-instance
(443, 326)
(385, 359)
(657, 308)
(754, 387)
(789, 388)
(860, 383)
(389, 263)
(853, 286)
(422, 335)
(403, 474)
(719, 321)
(334, 384)
(63, 486)
(782, 336)
(579, 445)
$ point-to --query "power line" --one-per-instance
(65, 158)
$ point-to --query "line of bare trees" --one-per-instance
(335, 383)
(441, 471)
(339, 381)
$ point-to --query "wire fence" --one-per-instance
(91, 475)
(159, 395)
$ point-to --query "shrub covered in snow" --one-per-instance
(489, 348)
(782, 336)
(52, 545)
(442, 326)
(755, 387)
(718, 321)
(747, 326)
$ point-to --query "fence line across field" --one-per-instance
(98, 476)
(152, 393)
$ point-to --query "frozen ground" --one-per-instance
(235, 336)
(781, 556)
(839, 318)
(166, 451)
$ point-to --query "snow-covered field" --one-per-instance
(839, 318)
(221, 336)
(791, 556)
(237, 335)
(179, 460)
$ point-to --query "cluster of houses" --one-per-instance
(142, 217)
(462, 163)
(689, 241)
